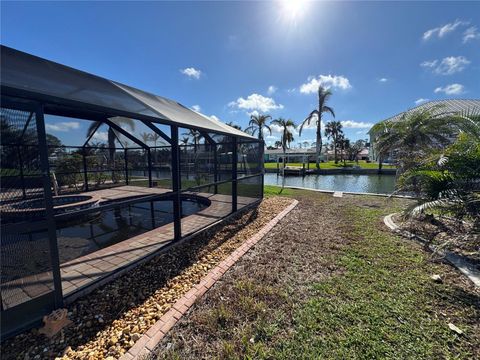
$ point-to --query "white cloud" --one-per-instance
(441, 31)
(191, 72)
(256, 102)
(277, 129)
(452, 89)
(327, 81)
(63, 126)
(471, 34)
(313, 124)
(213, 117)
(196, 108)
(429, 64)
(421, 100)
(447, 66)
(351, 124)
(100, 136)
(271, 90)
(383, 80)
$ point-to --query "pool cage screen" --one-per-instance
(71, 215)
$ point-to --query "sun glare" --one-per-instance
(293, 10)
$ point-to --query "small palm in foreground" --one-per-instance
(411, 137)
(448, 181)
(316, 115)
(257, 124)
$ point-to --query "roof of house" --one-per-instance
(26, 75)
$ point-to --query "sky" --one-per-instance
(233, 59)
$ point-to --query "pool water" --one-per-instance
(83, 236)
(378, 184)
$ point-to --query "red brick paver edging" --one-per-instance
(145, 345)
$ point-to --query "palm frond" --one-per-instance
(328, 109)
(307, 121)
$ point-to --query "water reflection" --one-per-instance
(378, 184)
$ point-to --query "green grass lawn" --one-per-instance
(332, 165)
(383, 304)
(333, 283)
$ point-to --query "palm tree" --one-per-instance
(323, 96)
(306, 144)
(196, 136)
(146, 137)
(287, 135)
(333, 130)
(112, 135)
(258, 123)
(185, 140)
(415, 134)
(235, 126)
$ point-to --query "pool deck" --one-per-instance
(88, 269)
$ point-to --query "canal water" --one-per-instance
(378, 184)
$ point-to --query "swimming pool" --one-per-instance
(85, 235)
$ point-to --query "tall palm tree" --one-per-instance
(333, 130)
(257, 124)
(112, 135)
(323, 97)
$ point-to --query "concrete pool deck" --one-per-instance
(83, 274)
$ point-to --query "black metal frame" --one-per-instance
(40, 105)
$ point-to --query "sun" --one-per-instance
(293, 10)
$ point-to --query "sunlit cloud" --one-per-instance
(452, 89)
(271, 90)
(443, 30)
(420, 101)
(351, 124)
(383, 80)
(447, 66)
(256, 102)
(471, 34)
(327, 81)
(100, 136)
(63, 126)
(191, 72)
(196, 108)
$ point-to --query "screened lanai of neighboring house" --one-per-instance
(97, 176)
